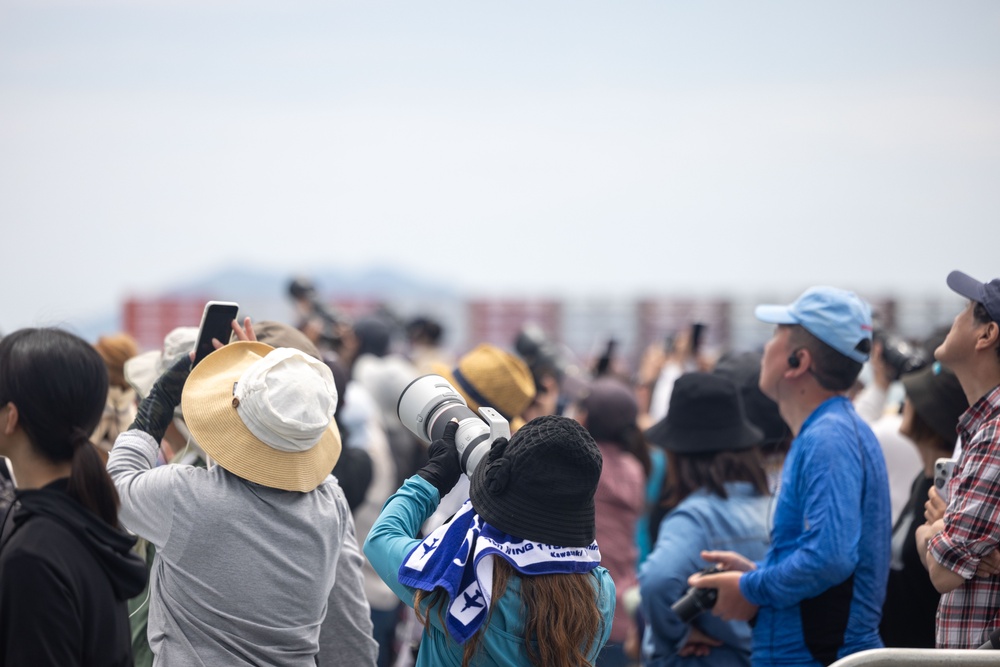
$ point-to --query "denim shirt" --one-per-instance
(702, 521)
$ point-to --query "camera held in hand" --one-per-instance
(427, 405)
(899, 355)
(696, 600)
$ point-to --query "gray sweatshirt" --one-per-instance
(244, 574)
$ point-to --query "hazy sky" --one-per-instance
(549, 148)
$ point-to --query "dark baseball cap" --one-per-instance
(987, 294)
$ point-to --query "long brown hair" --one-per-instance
(561, 616)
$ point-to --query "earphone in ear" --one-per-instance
(794, 361)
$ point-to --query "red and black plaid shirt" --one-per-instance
(967, 614)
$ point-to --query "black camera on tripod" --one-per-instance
(696, 600)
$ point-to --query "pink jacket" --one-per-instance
(619, 501)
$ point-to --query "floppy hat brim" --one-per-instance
(515, 421)
(775, 314)
(967, 286)
(704, 441)
(207, 402)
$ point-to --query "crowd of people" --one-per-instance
(267, 506)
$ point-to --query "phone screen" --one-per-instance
(216, 322)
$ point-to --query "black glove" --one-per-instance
(157, 410)
(443, 469)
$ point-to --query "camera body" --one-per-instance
(427, 405)
(696, 600)
(900, 356)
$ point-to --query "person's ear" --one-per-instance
(9, 419)
(990, 336)
(799, 362)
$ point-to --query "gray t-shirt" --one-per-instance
(243, 573)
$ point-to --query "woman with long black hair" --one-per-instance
(66, 571)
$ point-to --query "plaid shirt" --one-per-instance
(967, 614)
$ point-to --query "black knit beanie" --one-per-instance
(540, 486)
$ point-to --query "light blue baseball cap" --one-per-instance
(839, 318)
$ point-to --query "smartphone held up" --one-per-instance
(216, 322)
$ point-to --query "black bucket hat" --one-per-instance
(540, 486)
(706, 415)
(938, 398)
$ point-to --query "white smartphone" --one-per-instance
(944, 469)
(216, 322)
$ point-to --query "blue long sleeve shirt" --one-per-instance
(821, 587)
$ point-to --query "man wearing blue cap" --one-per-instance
(960, 546)
(818, 594)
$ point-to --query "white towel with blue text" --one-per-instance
(443, 560)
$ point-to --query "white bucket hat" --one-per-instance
(265, 414)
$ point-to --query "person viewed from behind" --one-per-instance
(143, 370)
(934, 402)
(513, 579)
(743, 369)
(718, 500)
(119, 410)
(608, 412)
(66, 569)
(425, 338)
(818, 594)
(249, 550)
(957, 548)
(354, 474)
(486, 377)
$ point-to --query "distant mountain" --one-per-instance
(374, 282)
(265, 292)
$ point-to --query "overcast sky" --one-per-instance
(531, 148)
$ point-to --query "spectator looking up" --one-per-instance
(250, 550)
(514, 578)
(959, 549)
(934, 402)
(718, 499)
(818, 594)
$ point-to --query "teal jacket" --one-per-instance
(502, 643)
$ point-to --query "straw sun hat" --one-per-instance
(490, 377)
(265, 414)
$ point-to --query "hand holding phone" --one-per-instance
(216, 322)
(944, 470)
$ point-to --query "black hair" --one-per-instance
(424, 330)
(59, 384)
(982, 316)
(686, 473)
(833, 370)
(921, 431)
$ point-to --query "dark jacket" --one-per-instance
(65, 577)
(911, 601)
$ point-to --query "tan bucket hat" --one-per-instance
(491, 377)
(265, 414)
